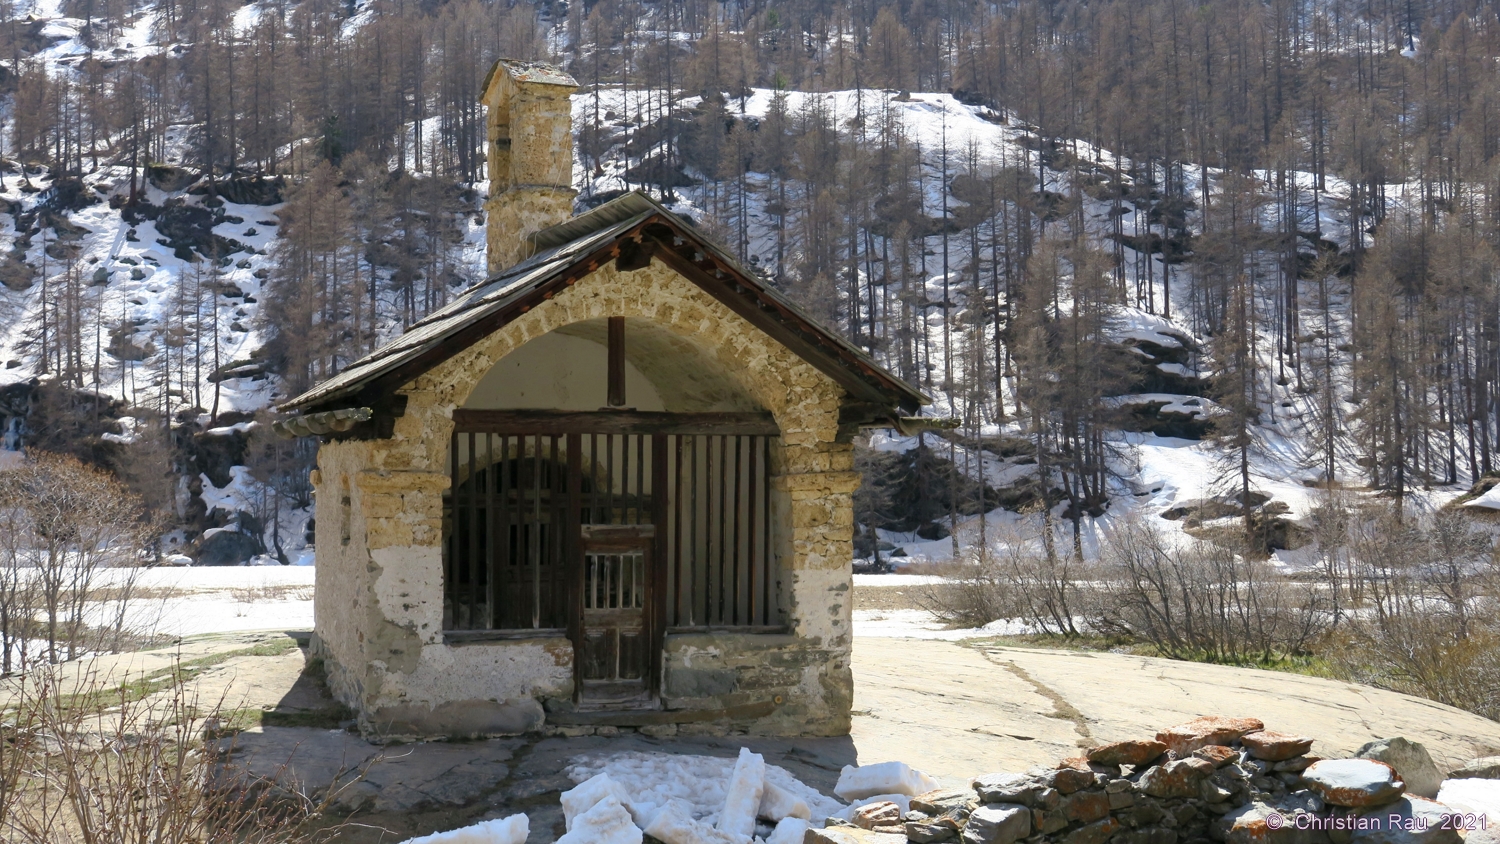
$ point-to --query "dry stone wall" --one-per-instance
(1212, 779)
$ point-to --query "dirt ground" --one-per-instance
(889, 597)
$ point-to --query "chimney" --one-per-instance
(530, 156)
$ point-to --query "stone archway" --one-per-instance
(804, 401)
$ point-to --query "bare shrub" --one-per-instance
(61, 524)
(99, 762)
(253, 593)
(1015, 575)
(1427, 622)
(1201, 600)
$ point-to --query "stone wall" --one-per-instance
(1210, 779)
(530, 128)
(379, 604)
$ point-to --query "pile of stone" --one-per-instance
(1210, 779)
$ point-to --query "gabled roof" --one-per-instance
(571, 250)
(536, 73)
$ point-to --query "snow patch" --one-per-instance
(511, 830)
(701, 782)
(1489, 499)
(1480, 796)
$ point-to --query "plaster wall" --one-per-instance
(380, 596)
(561, 372)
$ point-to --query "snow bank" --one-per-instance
(922, 624)
(1134, 324)
(511, 830)
(193, 600)
(898, 579)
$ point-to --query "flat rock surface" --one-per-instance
(955, 711)
(963, 709)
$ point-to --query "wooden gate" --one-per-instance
(615, 656)
(613, 528)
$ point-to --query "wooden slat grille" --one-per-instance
(508, 512)
(720, 569)
(504, 520)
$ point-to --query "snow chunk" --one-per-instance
(606, 822)
(742, 798)
(700, 781)
(511, 830)
(902, 801)
(674, 824)
(1482, 797)
(776, 804)
(884, 778)
(789, 831)
(579, 800)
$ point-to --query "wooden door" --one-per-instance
(617, 633)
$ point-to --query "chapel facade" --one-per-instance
(611, 485)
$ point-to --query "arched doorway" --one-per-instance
(612, 525)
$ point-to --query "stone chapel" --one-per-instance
(611, 485)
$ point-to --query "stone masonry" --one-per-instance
(1211, 779)
(530, 130)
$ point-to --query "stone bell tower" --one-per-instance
(530, 128)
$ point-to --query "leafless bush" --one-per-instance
(1188, 599)
(1014, 574)
(1202, 600)
(62, 523)
(1427, 622)
(271, 592)
(99, 762)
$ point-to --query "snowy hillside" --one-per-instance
(149, 284)
(1151, 473)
